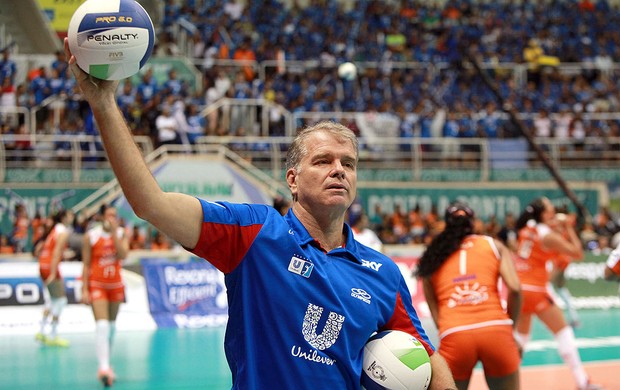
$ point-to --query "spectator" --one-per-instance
(8, 98)
(159, 242)
(5, 246)
(137, 240)
(197, 124)
(8, 67)
(147, 88)
(245, 53)
(40, 90)
(543, 126)
(167, 127)
(174, 86)
(60, 64)
(363, 233)
(21, 226)
(417, 225)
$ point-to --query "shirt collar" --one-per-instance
(351, 247)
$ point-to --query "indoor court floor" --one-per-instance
(194, 359)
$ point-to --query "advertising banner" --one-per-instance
(185, 295)
(37, 200)
(59, 13)
(21, 284)
(22, 299)
(487, 201)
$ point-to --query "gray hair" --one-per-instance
(299, 148)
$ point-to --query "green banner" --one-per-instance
(161, 66)
(495, 175)
(486, 201)
(41, 200)
(44, 175)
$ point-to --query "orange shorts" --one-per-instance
(535, 301)
(45, 273)
(561, 263)
(110, 294)
(494, 346)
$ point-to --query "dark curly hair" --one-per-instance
(459, 219)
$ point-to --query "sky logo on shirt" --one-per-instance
(300, 267)
(371, 264)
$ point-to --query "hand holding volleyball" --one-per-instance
(111, 39)
(395, 360)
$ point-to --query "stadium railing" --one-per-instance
(56, 152)
(79, 153)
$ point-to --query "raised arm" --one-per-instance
(564, 240)
(177, 215)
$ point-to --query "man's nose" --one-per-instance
(338, 170)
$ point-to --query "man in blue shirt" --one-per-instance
(304, 296)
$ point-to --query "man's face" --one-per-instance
(327, 176)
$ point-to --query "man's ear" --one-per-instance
(291, 180)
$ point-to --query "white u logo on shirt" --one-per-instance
(330, 332)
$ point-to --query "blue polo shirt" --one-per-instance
(299, 316)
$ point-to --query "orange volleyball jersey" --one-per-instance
(45, 258)
(532, 257)
(20, 228)
(466, 287)
(613, 261)
(105, 267)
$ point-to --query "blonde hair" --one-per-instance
(299, 147)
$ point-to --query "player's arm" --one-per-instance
(511, 279)
(177, 215)
(431, 299)
(441, 377)
(86, 264)
(566, 242)
(121, 243)
(57, 253)
(120, 239)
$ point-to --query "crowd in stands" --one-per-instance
(28, 231)
(389, 34)
(599, 234)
